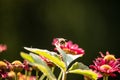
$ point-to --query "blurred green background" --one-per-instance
(94, 25)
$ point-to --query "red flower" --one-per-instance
(106, 64)
(3, 47)
(68, 47)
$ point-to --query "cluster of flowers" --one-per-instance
(12, 71)
(46, 61)
(106, 65)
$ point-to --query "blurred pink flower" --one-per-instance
(68, 47)
(3, 47)
(106, 64)
(26, 65)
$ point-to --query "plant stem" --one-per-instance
(26, 74)
(53, 68)
(29, 73)
(16, 76)
(42, 77)
(60, 75)
(37, 74)
(105, 77)
(64, 75)
(47, 78)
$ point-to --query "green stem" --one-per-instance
(53, 68)
(26, 74)
(105, 77)
(47, 78)
(16, 76)
(29, 73)
(42, 77)
(64, 75)
(37, 74)
(60, 75)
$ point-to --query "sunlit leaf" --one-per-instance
(27, 57)
(42, 66)
(35, 60)
(80, 68)
(49, 55)
(89, 73)
(79, 65)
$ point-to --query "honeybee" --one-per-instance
(61, 41)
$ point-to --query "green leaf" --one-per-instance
(49, 55)
(35, 60)
(45, 71)
(88, 73)
(79, 65)
(67, 58)
(80, 68)
(27, 57)
(42, 66)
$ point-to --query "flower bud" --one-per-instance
(9, 65)
(17, 66)
(3, 65)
